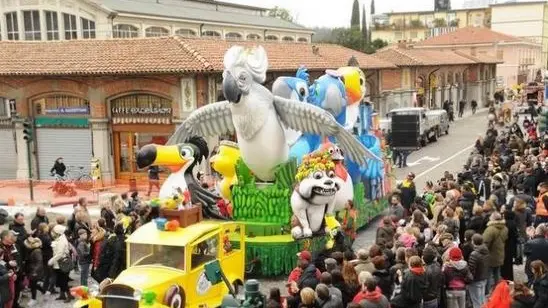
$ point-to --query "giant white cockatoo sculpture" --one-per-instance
(259, 118)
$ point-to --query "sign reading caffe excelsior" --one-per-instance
(141, 111)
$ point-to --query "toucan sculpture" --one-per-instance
(181, 159)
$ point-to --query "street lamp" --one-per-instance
(28, 132)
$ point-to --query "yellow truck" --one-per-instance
(170, 265)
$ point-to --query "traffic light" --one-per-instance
(27, 131)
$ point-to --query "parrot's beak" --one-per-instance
(231, 90)
(161, 155)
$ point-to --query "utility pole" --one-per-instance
(28, 133)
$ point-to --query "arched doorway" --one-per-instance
(420, 87)
(138, 119)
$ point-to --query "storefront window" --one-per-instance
(142, 139)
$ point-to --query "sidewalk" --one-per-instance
(17, 193)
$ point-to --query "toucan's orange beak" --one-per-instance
(161, 155)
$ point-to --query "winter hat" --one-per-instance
(455, 254)
(59, 229)
(305, 255)
(33, 242)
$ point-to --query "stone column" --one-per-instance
(102, 145)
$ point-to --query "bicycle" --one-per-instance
(81, 179)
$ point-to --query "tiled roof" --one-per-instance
(468, 35)
(481, 58)
(163, 55)
(97, 57)
(284, 56)
(180, 10)
(421, 57)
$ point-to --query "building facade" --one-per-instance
(526, 20)
(86, 99)
(427, 78)
(50, 20)
(520, 59)
(417, 26)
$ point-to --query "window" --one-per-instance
(302, 40)
(271, 38)
(414, 34)
(186, 32)
(32, 25)
(288, 39)
(156, 31)
(211, 34)
(253, 37)
(205, 251)
(52, 26)
(500, 54)
(88, 28)
(398, 35)
(71, 29)
(125, 31)
(148, 254)
(233, 36)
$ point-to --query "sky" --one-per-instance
(336, 13)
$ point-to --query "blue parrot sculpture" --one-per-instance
(373, 172)
(328, 93)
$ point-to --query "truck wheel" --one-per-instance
(435, 136)
(175, 297)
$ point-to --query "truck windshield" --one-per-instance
(149, 254)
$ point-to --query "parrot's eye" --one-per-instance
(302, 91)
(331, 151)
(361, 81)
(187, 152)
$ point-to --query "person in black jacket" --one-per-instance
(540, 284)
(39, 218)
(113, 255)
(477, 221)
(42, 232)
(5, 295)
(479, 267)
(522, 297)
(382, 276)
(434, 278)
(536, 249)
(510, 247)
(408, 191)
(413, 285)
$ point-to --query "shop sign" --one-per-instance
(141, 111)
(68, 110)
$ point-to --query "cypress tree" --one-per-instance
(365, 33)
(355, 19)
(372, 10)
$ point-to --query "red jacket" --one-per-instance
(296, 274)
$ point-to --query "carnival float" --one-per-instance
(303, 151)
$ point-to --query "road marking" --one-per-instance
(427, 158)
(425, 172)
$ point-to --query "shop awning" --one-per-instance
(61, 122)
